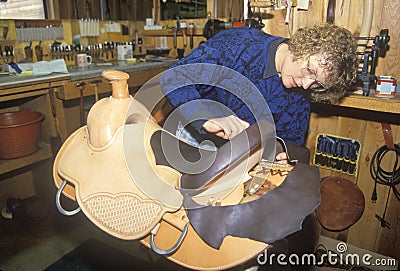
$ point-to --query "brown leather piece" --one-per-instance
(342, 203)
(263, 219)
(387, 135)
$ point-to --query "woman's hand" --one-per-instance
(282, 158)
(226, 127)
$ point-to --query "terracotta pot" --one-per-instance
(19, 133)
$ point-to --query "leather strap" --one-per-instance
(387, 135)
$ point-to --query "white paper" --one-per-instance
(48, 67)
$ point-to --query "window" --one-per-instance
(22, 9)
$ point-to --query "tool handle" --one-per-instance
(81, 86)
(175, 42)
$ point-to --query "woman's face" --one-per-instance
(304, 73)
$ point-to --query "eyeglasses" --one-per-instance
(308, 73)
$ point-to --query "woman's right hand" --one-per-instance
(226, 127)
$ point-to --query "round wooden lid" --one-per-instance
(342, 203)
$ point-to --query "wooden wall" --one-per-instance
(350, 15)
(361, 125)
(365, 127)
(131, 10)
(28, 9)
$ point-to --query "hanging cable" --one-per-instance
(384, 177)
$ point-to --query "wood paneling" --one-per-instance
(348, 14)
(365, 127)
(22, 9)
(132, 10)
(389, 65)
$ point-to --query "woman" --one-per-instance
(318, 63)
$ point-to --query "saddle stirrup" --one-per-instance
(58, 202)
(173, 248)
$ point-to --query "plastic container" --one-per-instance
(19, 133)
(386, 87)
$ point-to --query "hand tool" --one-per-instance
(111, 44)
(329, 152)
(346, 158)
(341, 149)
(28, 51)
(106, 48)
(191, 28)
(353, 157)
(175, 38)
(39, 51)
(55, 141)
(334, 159)
(81, 86)
(15, 67)
(184, 37)
(318, 153)
(323, 152)
(140, 42)
(95, 84)
(6, 50)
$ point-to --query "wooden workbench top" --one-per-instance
(77, 73)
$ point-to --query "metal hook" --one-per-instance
(58, 202)
(173, 248)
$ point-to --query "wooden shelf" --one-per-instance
(386, 105)
(7, 165)
(170, 32)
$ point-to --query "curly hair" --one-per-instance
(339, 50)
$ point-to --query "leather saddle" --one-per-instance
(117, 170)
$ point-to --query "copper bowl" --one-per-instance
(19, 133)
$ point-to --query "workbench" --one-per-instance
(57, 96)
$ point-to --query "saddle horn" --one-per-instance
(108, 114)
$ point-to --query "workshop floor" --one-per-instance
(35, 246)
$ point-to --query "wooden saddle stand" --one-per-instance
(116, 170)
